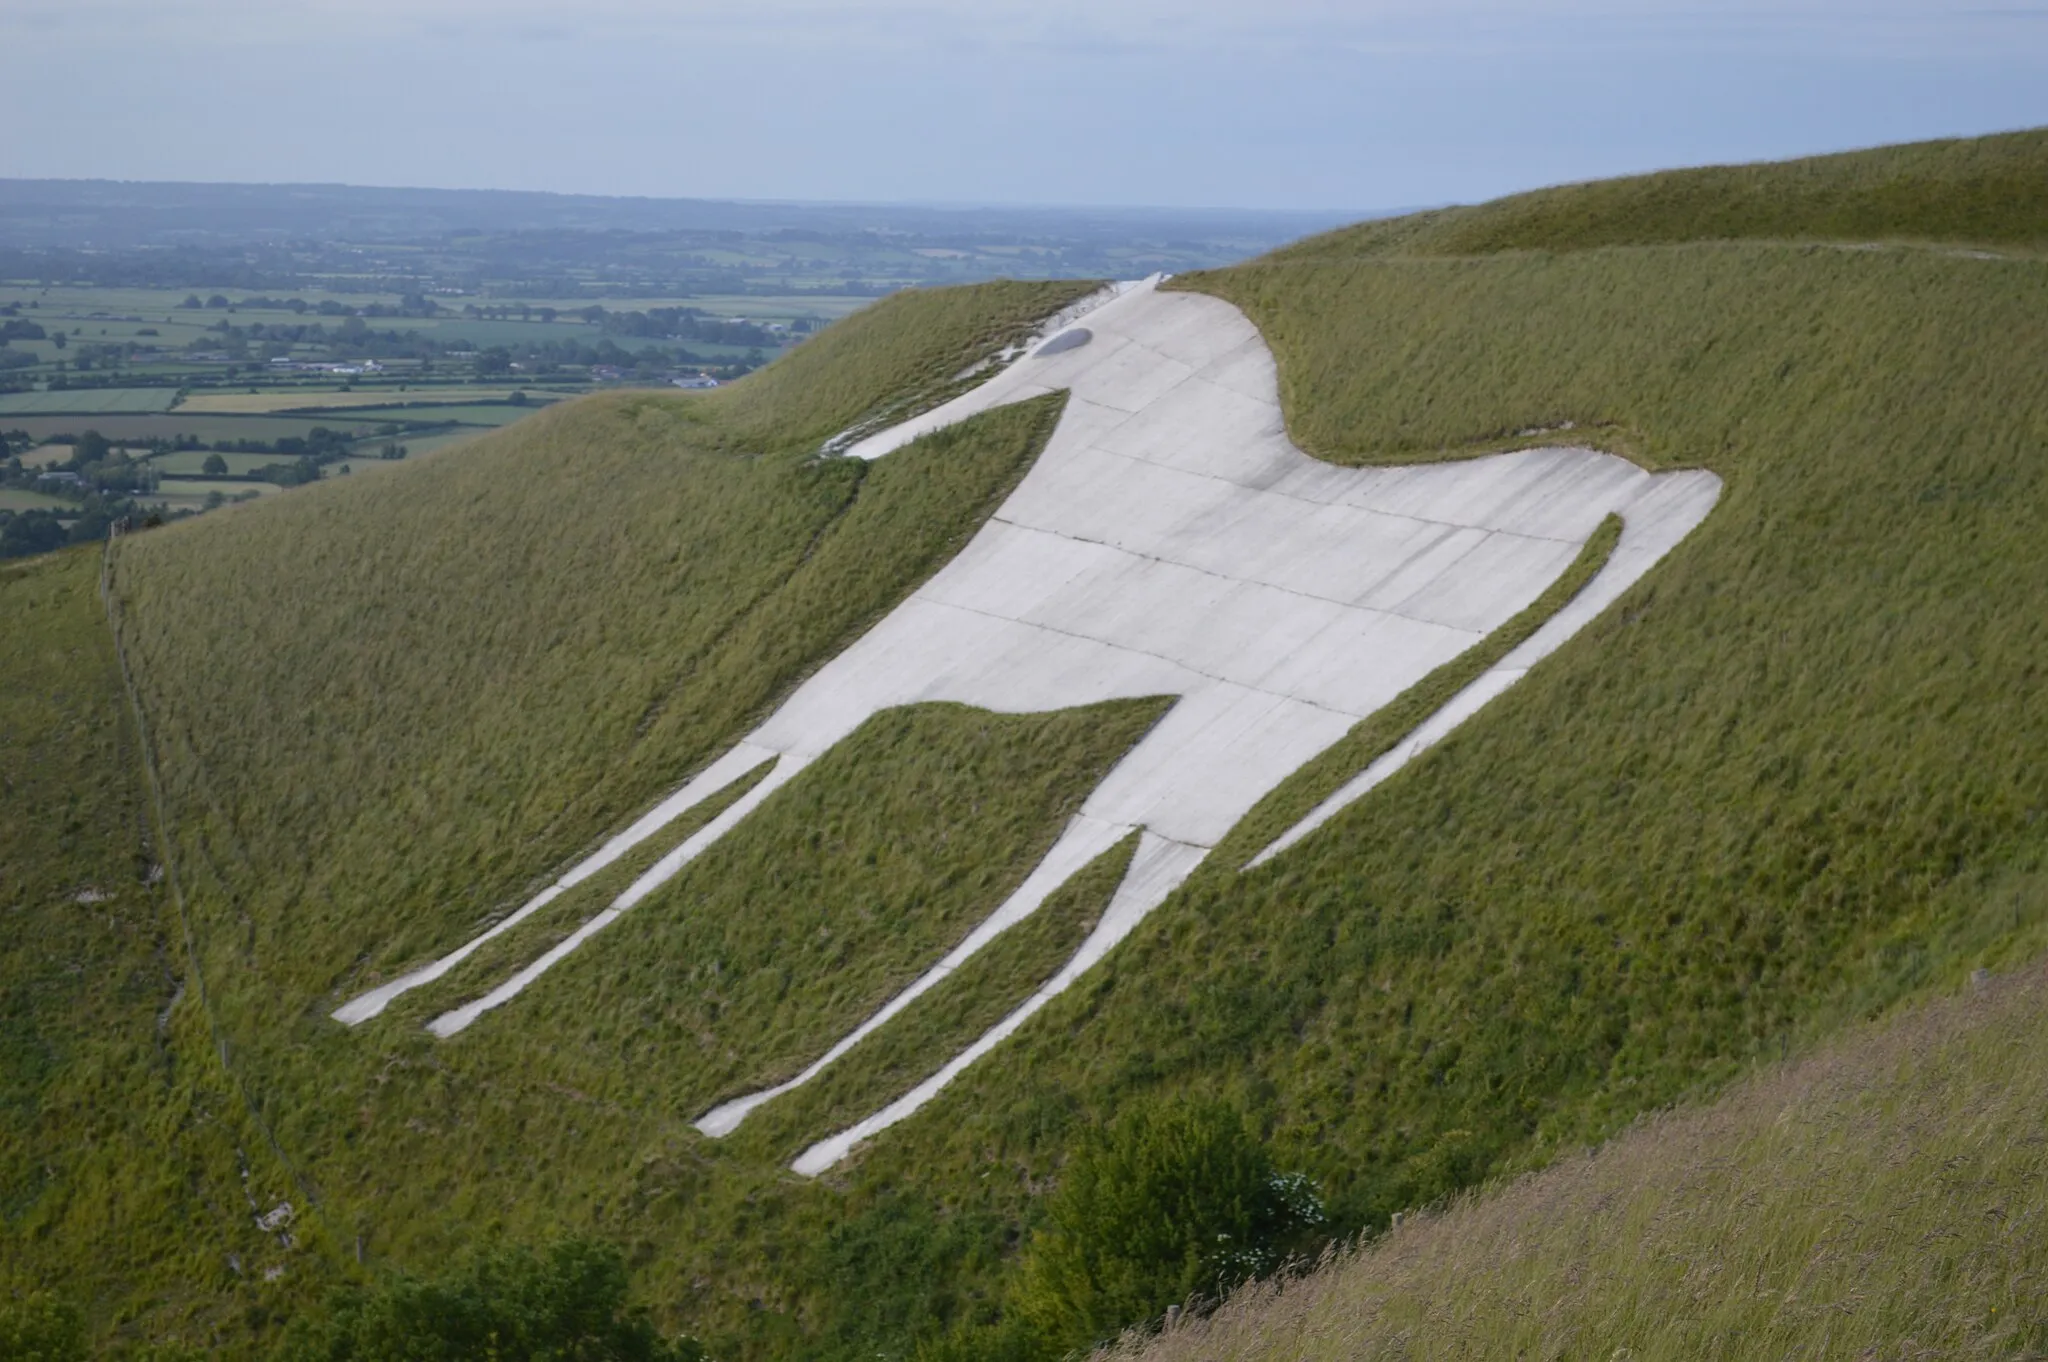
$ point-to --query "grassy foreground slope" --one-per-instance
(1881, 1198)
(1795, 776)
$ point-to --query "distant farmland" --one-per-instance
(320, 400)
(90, 401)
(210, 429)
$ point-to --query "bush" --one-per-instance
(29, 533)
(41, 1328)
(511, 1305)
(1167, 1203)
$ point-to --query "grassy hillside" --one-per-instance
(384, 711)
(1881, 1198)
(1794, 777)
(1979, 191)
(127, 1162)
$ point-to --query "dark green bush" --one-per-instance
(565, 1304)
(40, 1328)
(1167, 1203)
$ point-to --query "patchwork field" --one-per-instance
(136, 429)
(90, 401)
(18, 499)
(410, 398)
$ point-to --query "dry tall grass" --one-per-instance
(1885, 1198)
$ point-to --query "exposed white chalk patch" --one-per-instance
(1171, 540)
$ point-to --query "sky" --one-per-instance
(1305, 104)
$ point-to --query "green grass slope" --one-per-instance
(1794, 777)
(1979, 191)
(127, 1162)
(386, 710)
(1881, 1198)
(399, 701)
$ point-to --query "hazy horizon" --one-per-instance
(925, 205)
(1304, 105)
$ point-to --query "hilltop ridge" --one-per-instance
(1961, 191)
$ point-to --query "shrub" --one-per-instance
(1167, 1203)
(509, 1304)
(41, 1328)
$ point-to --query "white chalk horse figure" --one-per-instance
(1170, 540)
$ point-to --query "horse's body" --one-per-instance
(1170, 540)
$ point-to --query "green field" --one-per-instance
(410, 397)
(19, 499)
(468, 414)
(1789, 782)
(190, 461)
(88, 401)
(159, 338)
(171, 425)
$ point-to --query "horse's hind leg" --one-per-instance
(660, 873)
(743, 758)
(1083, 840)
(1155, 871)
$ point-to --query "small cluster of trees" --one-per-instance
(297, 473)
(99, 465)
(25, 533)
(321, 444)
(684, 324)
(101, 355)
(1171, 1204)
(12, 328)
